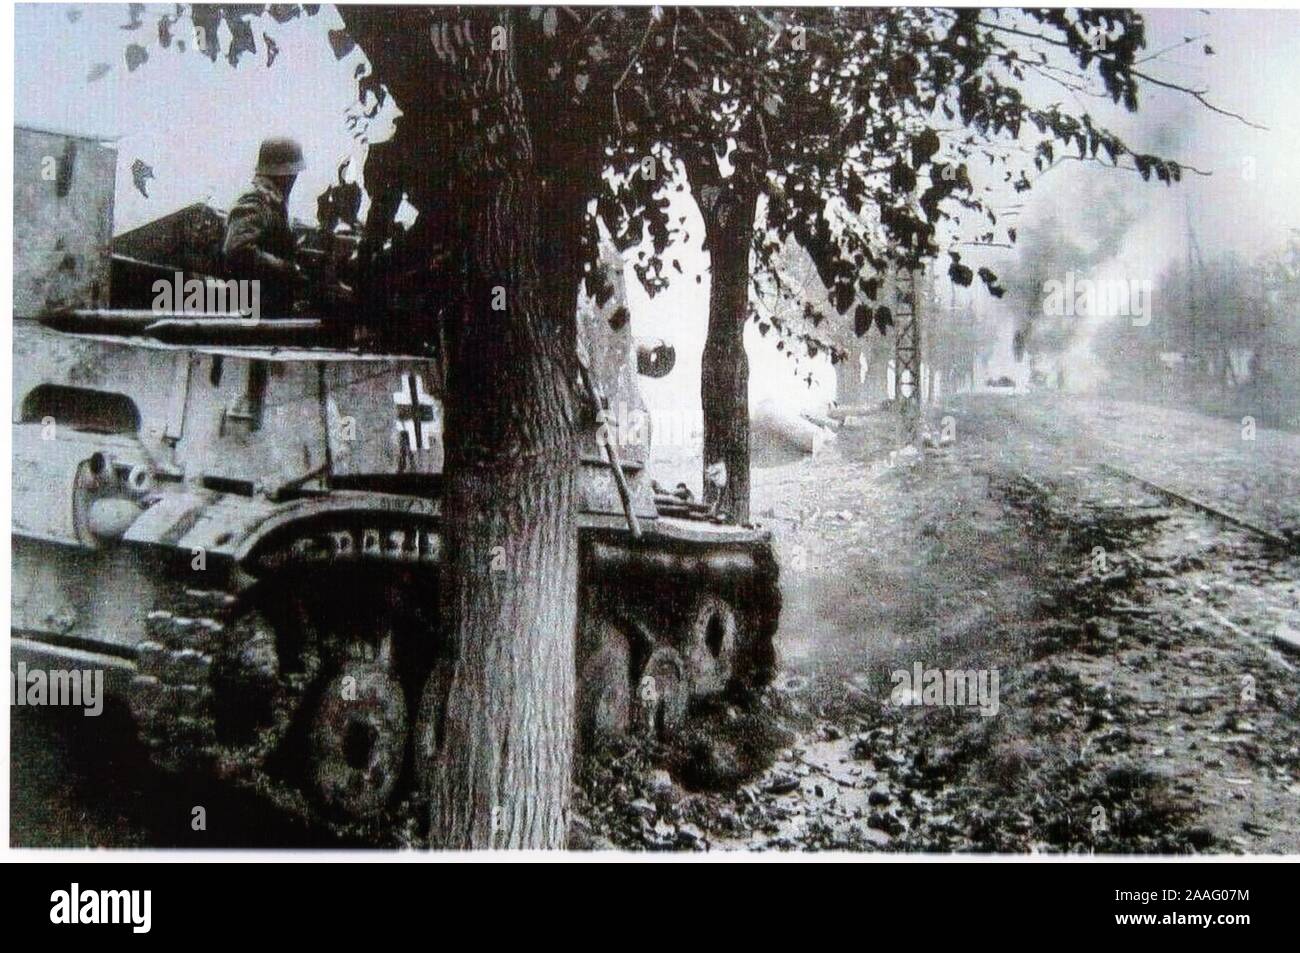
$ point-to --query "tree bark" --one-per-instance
(504, 770)
(500, 774)
(724, 378)
(503, 773)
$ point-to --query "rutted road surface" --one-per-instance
(1144, 703)
(1145, 696)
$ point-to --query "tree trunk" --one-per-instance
(849, 390)
(510, 204)
(878, 371)
(503, 772)
(724, 379)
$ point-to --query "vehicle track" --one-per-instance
(1289, 540)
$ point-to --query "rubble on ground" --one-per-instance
(1126, 632)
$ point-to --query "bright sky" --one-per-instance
(198, 125)
(1250, 200)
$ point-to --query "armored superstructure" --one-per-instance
(241, 520)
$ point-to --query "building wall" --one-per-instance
(63, 221)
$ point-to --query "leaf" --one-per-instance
(206, 18)
(991, 282)
(342, 43)
(901, 178)
(241, 39)
(98, 71)
(136, 56)
(924, 147)
(141, 173)
(272, 49)
(843, 297)
(862, 318)
(136, 12)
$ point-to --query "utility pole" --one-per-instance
(907, 358)
(1195, 265)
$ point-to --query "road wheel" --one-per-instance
(662, 695)
(710, 646)
(605, 686)
(358, 740)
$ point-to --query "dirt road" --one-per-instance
(1131, 689)
(1144, 704)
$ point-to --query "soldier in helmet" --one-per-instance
(259, 243)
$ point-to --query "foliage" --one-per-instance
(860, 126)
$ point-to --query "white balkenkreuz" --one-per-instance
(417, 413)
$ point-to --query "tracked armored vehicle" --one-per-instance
(242, 524)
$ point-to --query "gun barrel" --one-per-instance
(124, 320)
(278, 331)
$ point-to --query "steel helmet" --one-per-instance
(279, 157)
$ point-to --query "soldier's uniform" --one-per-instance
(259, 243)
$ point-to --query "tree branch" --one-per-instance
(1198, 95)
(1173, 46)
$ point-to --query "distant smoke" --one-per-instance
(1079, 232)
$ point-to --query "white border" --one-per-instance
(132, 855)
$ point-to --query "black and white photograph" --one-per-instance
(648, 432)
